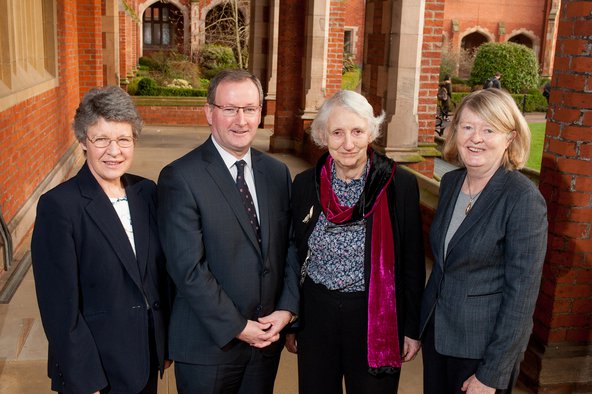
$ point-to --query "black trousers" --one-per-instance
(257, 376)
(332, 344)
(445, 374)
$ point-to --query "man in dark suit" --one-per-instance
(224, 217)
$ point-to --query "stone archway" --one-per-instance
(527, 38)
(186, 23)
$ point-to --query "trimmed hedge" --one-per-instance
(517, 63)
(148, 87)
(535, 101)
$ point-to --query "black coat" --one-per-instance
(403, 200)
(93, 291)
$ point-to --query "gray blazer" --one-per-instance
(222, 275)
(483, 292)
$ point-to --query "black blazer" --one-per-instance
(403, 201)
(221, 274)
(482, 293)
(91, 289)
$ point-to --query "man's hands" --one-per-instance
(266, 330)
(473, 386)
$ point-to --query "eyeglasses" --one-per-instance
(230, 110)
(103, 142)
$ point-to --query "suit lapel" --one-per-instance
(101, 212)
(221, 177)
(140, 214)
(488, 197)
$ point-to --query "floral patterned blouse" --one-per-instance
(337, 251)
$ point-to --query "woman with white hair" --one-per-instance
(357, 230)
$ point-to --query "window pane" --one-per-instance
(147, 33)
(156, 34)
(148, 14)
(165, 14)
(156, 14)
(166, 37)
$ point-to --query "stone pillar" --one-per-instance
(401, 65)
(549, 37)
(316, 31)
(194, 30)
(559, 355)
(110, 43)
(263, 52)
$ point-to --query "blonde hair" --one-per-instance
(498, 108)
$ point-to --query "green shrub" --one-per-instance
(535, 101)
(213, 58)
(148, 63)
(132, 87)
(517, 64)
(351, 79)
(148, 87)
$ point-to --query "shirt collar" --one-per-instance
(229, 159)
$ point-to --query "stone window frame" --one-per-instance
(28, 50)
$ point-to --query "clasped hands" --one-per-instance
(266, 330)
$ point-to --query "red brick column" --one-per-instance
(335, 50)
(289, 76)
(90, 45)
(558, 357)
(428, 84)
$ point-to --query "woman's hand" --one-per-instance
(473, 386)
(410, 349)
(291, 344)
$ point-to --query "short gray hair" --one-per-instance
(351, 101)
(110, 103)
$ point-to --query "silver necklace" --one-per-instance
(471, 197)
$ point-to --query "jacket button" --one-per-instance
(265, 271)
(156, 305)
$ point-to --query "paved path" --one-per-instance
(23, 347)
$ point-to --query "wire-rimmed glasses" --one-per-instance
(103, 142)
(230, 110)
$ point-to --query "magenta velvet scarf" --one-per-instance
(383, 340)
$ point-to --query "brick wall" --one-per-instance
(36, 133)
(289, 73)
(335, 48)
(172, 115)
(354, 16)
(428, 83)
(563, 317)
(90, 44)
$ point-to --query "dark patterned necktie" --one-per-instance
(243, 189)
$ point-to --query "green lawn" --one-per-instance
(536, 145)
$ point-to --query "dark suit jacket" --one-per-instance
(222, 275)
(403, 198)
(91, 289)
(483, 292)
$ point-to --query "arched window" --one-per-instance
(163, 27)
(522, 39)
(472, 41)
